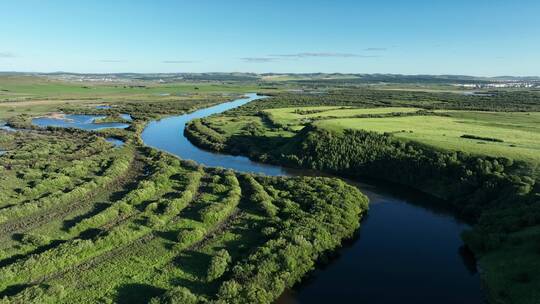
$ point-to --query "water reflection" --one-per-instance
(115, 141)
(403, 253)
(126, 117)
(79, 121)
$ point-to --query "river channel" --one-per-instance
(403, 253)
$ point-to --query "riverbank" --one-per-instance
(471, 185)
(134, 223)
(166, 135)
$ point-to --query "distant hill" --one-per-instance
(300, 77)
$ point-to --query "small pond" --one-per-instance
(126, 117)
(85, 122)
(115, 141)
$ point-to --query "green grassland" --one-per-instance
(520, 143)
(483, 164)
(16, 88)
(82, 221)
(38, 95)
(519, 132)
(294, 116)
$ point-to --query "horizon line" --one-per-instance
(262, 73)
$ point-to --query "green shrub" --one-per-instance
(34, 239)
(189, 236)
(218, 265)
(261, 197)
(176, 295)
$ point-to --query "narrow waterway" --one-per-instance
(403, 253)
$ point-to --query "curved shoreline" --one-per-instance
(167, 135)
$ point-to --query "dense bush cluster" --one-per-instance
(308, 226)
(495, 101)
(218, 265)
(260, 197)
(143, 110)
(498, 194)
(140, 216)
(206, 137)
(471, 183)
(469, 136)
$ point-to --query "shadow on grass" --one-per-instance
(37, 250)
(194, 263)
(95, 210)
(13, 290)
(137, 293)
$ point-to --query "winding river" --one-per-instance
(403, 253)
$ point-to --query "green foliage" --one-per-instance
(309, 227)
(176, 295)
(34, 239)
(42, 293)
(369, 98)
(189, 236)
(261, 198)
(206, 136)
(497, 191)
(214, 213)
(174, 210)
(218, 265)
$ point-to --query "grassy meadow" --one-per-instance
(410, 140)
(84, 221)
(520, 142)
(518, 132)
(39, 95)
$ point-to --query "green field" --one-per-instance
(92, 224)
(40, 95)
(520, 132)
(370, 134)
(84, 221)
(15, 88)
(521, 143)
(294, 116)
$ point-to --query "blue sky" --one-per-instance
(474, 37)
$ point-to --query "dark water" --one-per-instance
(168, 135)
(5, 127)
(404, 253)
(85, 122)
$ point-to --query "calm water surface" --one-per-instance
(126, 117)
(403, 253)
(115, 141)
(85, 122)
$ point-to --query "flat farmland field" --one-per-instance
(518, 140)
